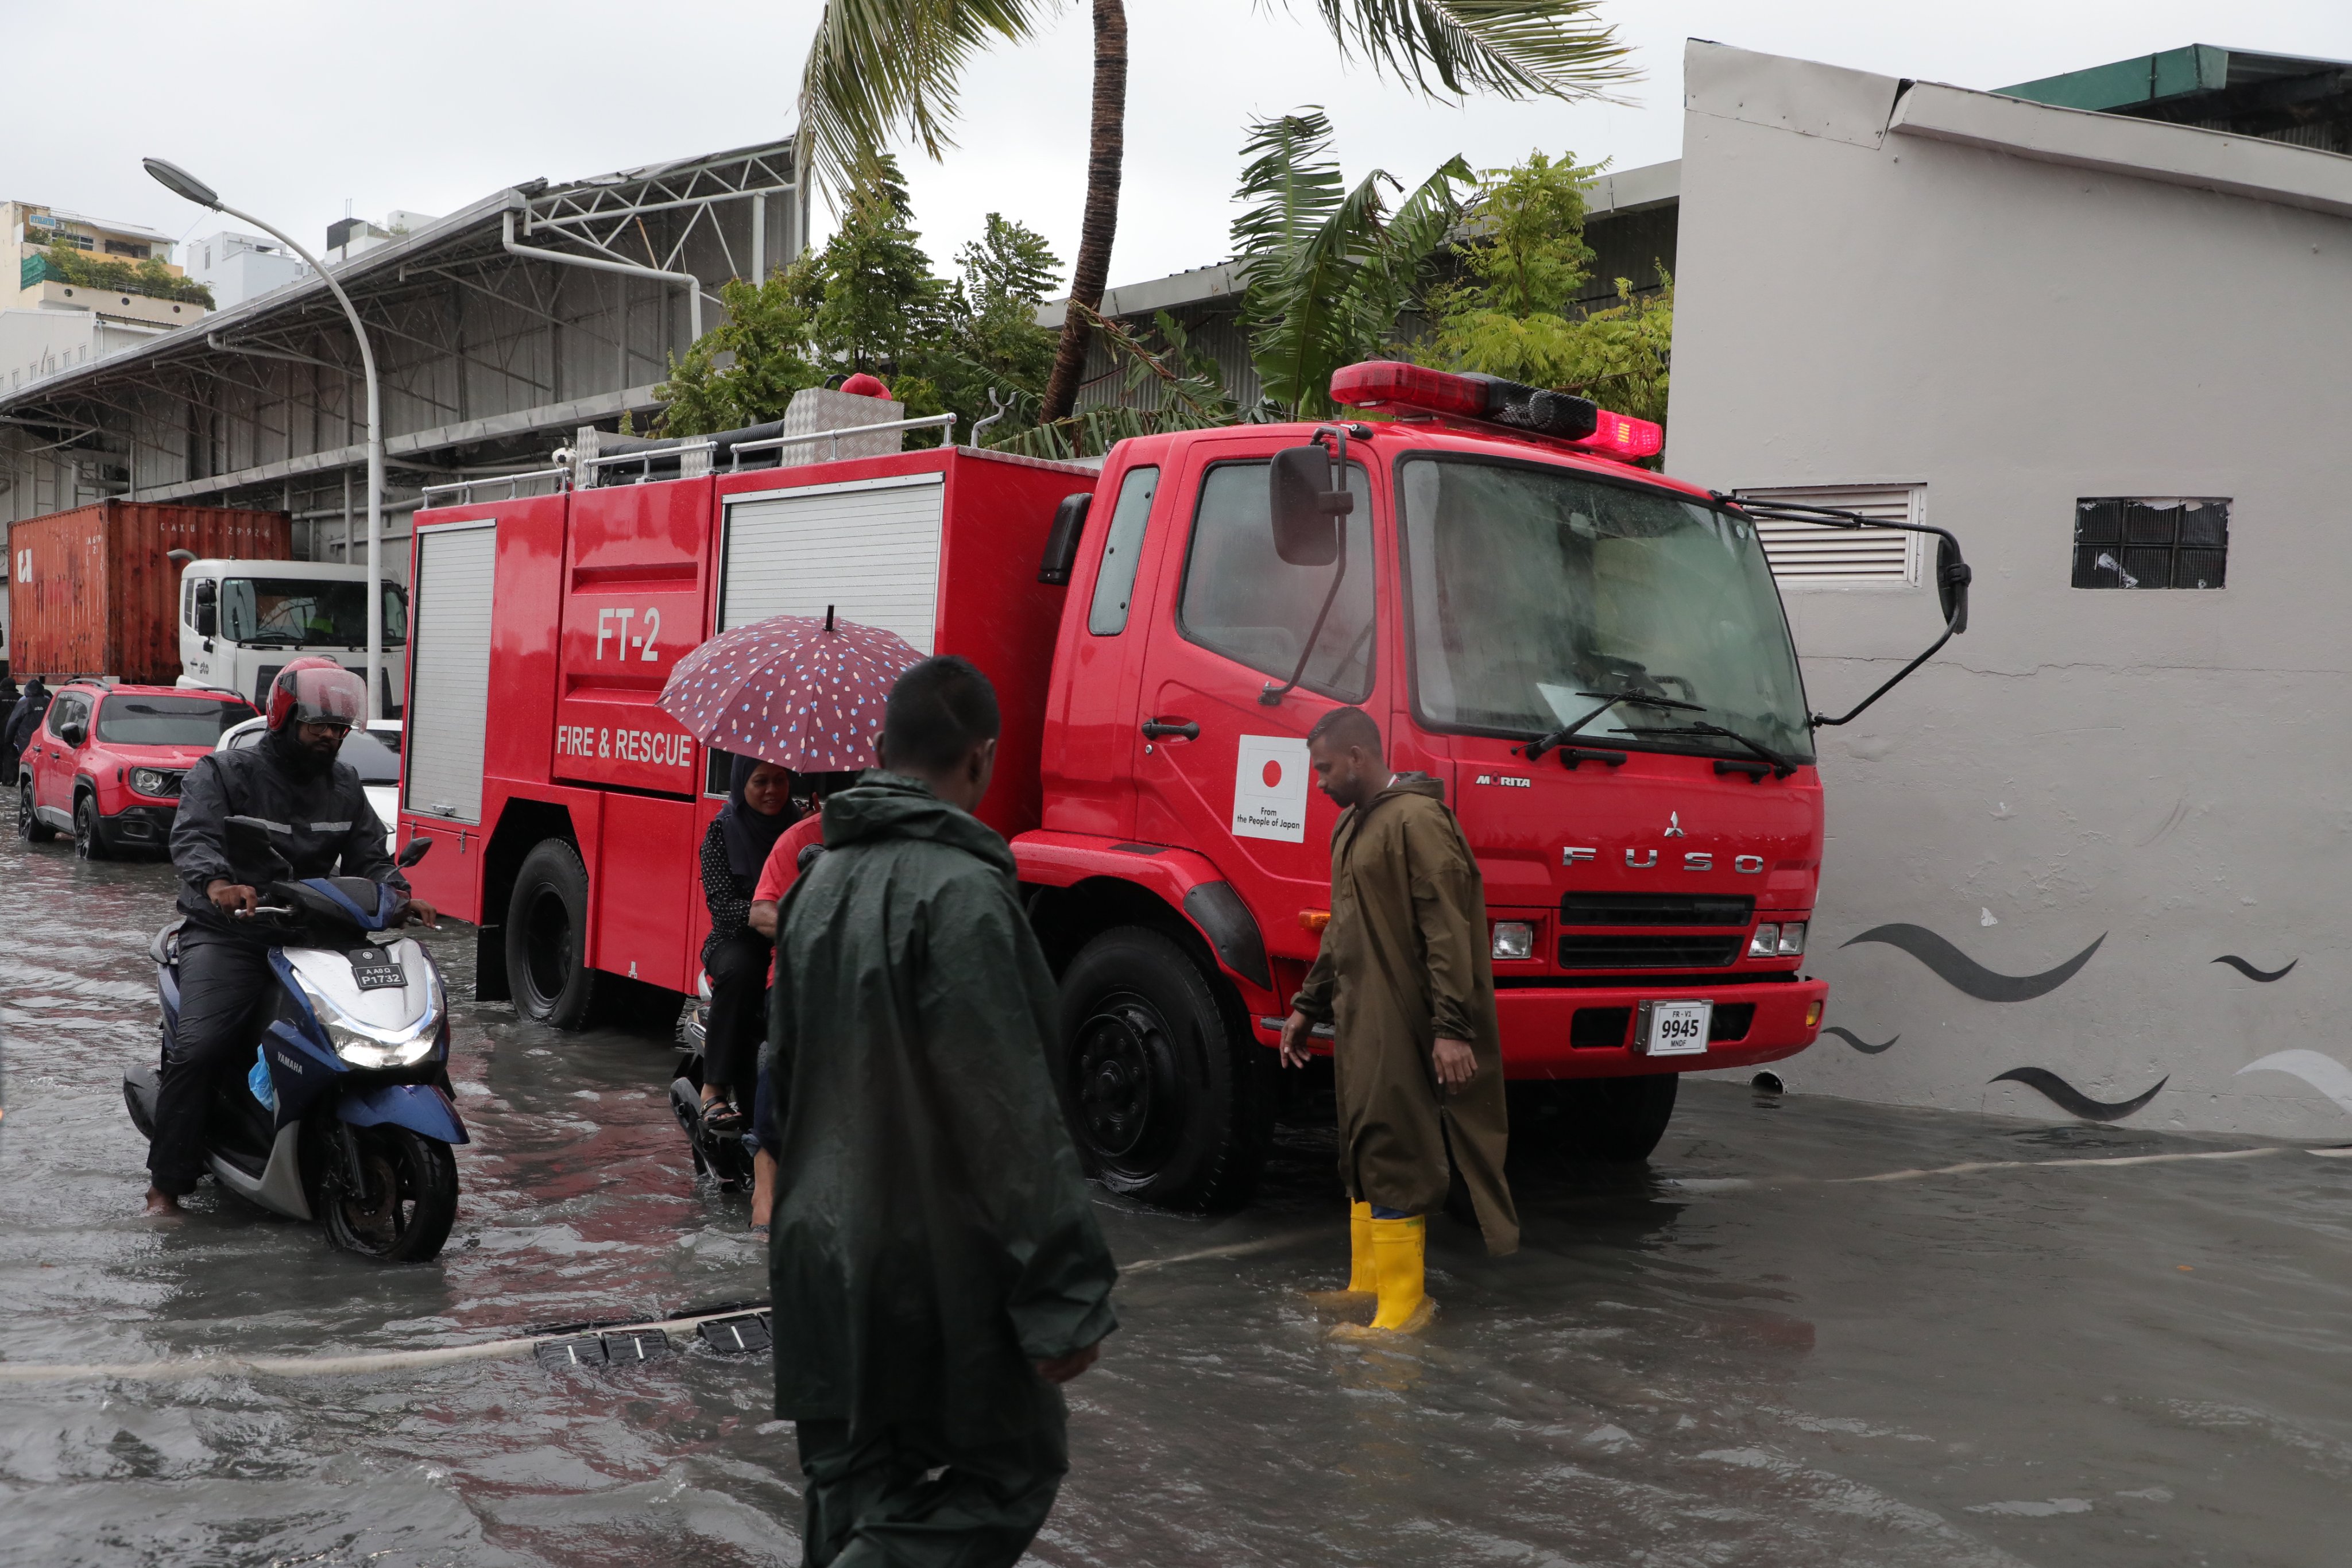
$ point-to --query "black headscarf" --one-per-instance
(750, 835)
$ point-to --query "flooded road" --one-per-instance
(1740, 1355)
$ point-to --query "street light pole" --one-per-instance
(179, 181)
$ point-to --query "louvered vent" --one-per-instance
(1804, 555)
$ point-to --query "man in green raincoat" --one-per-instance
(1406, 978)
(937, 1267)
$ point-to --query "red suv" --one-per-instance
(106, 763)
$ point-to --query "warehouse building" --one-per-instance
(498, 330)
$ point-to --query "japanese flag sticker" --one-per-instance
(1270, 789)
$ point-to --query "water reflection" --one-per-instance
(1727, 1357)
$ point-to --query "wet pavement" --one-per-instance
(1739, 1356)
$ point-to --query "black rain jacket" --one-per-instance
(933, 1235)
(315, 823)
(23, 718)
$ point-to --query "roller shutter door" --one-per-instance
(449, 633)
(869, 548)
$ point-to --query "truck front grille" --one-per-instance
(1655, 909)
(1605, 952)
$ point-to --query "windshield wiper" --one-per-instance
(1782, 765)
(1537, 748)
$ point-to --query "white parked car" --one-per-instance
(374, 754)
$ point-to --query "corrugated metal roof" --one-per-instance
(2167, 74)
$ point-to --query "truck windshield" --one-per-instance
(296, 611)
(1532, 586)
(129, 720)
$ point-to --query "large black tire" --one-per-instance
(33, 829)
(409, 1203)
(89, 833)
(1617, 1119)
(547, 938)
(1162, 1084)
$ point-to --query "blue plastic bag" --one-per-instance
(265, 1089)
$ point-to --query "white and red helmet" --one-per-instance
(317, 690)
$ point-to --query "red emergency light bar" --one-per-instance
(1489, 399)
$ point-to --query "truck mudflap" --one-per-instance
(1591, 1031)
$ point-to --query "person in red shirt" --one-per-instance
(781, 868)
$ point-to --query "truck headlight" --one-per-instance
(149, 781)
(1792, 939)
(1515, 939)
(1765, 943)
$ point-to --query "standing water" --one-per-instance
(1739, 1355)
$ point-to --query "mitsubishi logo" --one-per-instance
(1674, 825)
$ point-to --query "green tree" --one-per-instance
(745, 370)
(1512, 310)
(1329, 269)
(868, 301)
(149, 276)
(877, 68)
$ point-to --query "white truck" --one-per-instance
(241, 622)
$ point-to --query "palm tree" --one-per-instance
(1329, 269)
(877, 67)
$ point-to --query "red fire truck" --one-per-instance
(1591, 658)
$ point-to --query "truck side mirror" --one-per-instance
(1952, 578)
(414, 851)
(1062, 542)
(207, 609)
(1307, 506)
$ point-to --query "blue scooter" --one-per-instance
(345, 1117)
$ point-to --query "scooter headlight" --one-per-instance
(363, 1044)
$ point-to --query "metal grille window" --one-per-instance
(2151, 541)
(1804, 555)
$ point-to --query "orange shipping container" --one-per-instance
(94, 591)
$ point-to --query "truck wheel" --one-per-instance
(89, 833)
(36, 831)
(547, 938)
(1618, 1119)
(1160, 1082)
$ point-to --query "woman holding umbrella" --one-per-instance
(792, 692)
(758, 809)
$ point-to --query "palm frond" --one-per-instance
(1291, 179)
(876, 67)
(1516, 49)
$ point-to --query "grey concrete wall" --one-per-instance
(2165, 775)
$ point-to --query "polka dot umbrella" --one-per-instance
(799, 690)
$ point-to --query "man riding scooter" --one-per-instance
(318, 815)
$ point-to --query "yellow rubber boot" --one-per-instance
(1362, 1292)
(1399, 1254)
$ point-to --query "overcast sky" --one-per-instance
(292, 109)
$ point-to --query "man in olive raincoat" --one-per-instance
(1406, 978)
(935, 1259)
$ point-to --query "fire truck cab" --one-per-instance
(1591, 658)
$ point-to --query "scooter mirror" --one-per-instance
(1306, 508)
(414, 851)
